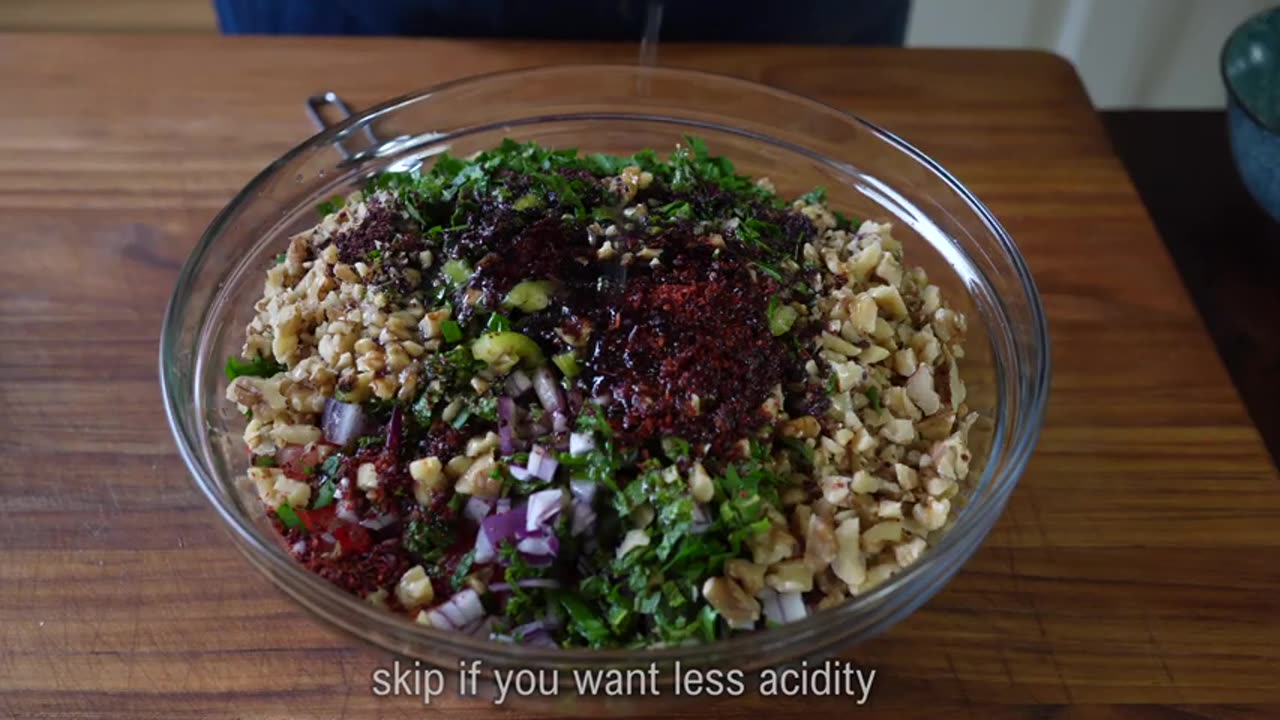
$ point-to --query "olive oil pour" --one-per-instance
(649, 40)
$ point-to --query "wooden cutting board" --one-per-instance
(1135, 569)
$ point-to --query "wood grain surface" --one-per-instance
(1134, 574)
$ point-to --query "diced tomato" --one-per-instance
(353, 538)
(300, 462)
(316, 521)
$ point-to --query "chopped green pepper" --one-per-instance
(450, 330)
(324, 496)
(529, 296)
(457, 271)
(289, 517)
(528, 201)
(568, 364)
(503, 350)
(258, 367)
(781, 319)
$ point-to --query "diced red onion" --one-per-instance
(484, 549)
(495, 529)
(701, 520)
(583, 490)
(529, 628)
(584, 516)
(342, 422)
(484, 628)
(535, 546)
(771, 606)
(346, 504)
(541, 638)
(506, 434)
(458, 612)
(379, 522)
(527, 584)
(394, 429)
(548, 390)
(476, 509)
(793, 607)
(518, 383)
(547, 470)
(581, 443)
(559, 422)
(542, 463)
(534, 634)
(543, 506)
(782, 608)
(504, 505)
(518, 472)
(535, 459)
(502, 526)
(583, 519)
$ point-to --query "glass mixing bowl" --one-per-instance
(796, 142)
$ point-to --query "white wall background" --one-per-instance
(1131, 53)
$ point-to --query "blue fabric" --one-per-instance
(1257, 154)
(853, 22)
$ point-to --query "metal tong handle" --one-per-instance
(316, 105)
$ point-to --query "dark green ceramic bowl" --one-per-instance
(1251, 72)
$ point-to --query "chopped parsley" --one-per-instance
(463, 569)
(843, 222)
(769, 270)
(428, 537)
(814, 196)
(332, 205)
(369, 441)
(659, 580)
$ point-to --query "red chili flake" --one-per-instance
(378, 567)
(442, 440)
(697, 330)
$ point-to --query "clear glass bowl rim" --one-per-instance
(941, 561)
